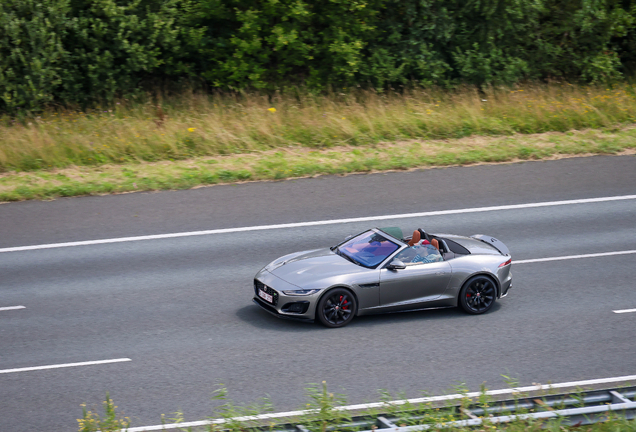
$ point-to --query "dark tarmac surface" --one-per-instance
(181, 308)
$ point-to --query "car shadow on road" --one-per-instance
(257, 317)
(442, 314)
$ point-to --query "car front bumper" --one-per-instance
(283, 306)
(272, 310)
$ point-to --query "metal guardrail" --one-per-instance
(596, 408)
(461, 410)
(578, 408)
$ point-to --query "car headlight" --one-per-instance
(301, 292)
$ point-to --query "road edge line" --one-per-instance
(279, 415)
(64, 365)
(318, 223)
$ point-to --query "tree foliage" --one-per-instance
(87, 51)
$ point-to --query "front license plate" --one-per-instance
(265, 296)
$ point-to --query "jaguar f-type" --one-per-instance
(380, 270)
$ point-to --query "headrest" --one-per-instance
(416, 238)
(424, 234)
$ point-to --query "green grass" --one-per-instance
(321, 413)
(193, 140)
(303, 162)
(198, 125)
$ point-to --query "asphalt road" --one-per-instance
(180, 308)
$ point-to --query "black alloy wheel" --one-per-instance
(336, 308)
(478, 295)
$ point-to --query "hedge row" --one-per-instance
(90, 51)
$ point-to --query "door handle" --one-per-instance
(439, 273)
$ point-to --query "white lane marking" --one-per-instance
(624, 311)
(65, 365)
(317, 223)
(569, 257)
(11, 308)
(387, 404)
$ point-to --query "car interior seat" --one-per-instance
(445, 250)
(416, 238)
(426, 236)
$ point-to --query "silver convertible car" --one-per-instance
(381, 271)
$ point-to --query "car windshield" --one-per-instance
(368, 249)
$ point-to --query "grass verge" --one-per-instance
(539, 410)
(305, 162)
(187, 126)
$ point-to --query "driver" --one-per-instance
(426, 253)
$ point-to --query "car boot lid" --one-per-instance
(497, 244)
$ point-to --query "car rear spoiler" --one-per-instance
(502, 248)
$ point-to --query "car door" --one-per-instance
(414, 285)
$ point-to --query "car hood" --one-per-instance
(319, 268)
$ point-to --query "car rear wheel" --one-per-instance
(336, 308)
(478, 295)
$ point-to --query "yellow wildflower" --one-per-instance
(273, 110)
(191, 129)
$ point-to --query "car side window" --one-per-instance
(419, 254)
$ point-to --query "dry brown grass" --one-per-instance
(303, 162)
(200, 125)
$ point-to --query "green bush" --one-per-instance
(269, 43)
(113, 45)
(81, 51)
(32, 52)
(500, 41)
(89, 52)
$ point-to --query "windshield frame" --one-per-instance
(400, 246)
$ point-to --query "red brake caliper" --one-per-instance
(345, 303)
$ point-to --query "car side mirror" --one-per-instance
(396, 264)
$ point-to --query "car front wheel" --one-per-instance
(478, 295)
(336, 308)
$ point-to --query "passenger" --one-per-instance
(420, 250)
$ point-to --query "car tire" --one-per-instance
(478, 295)
(336, 308)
